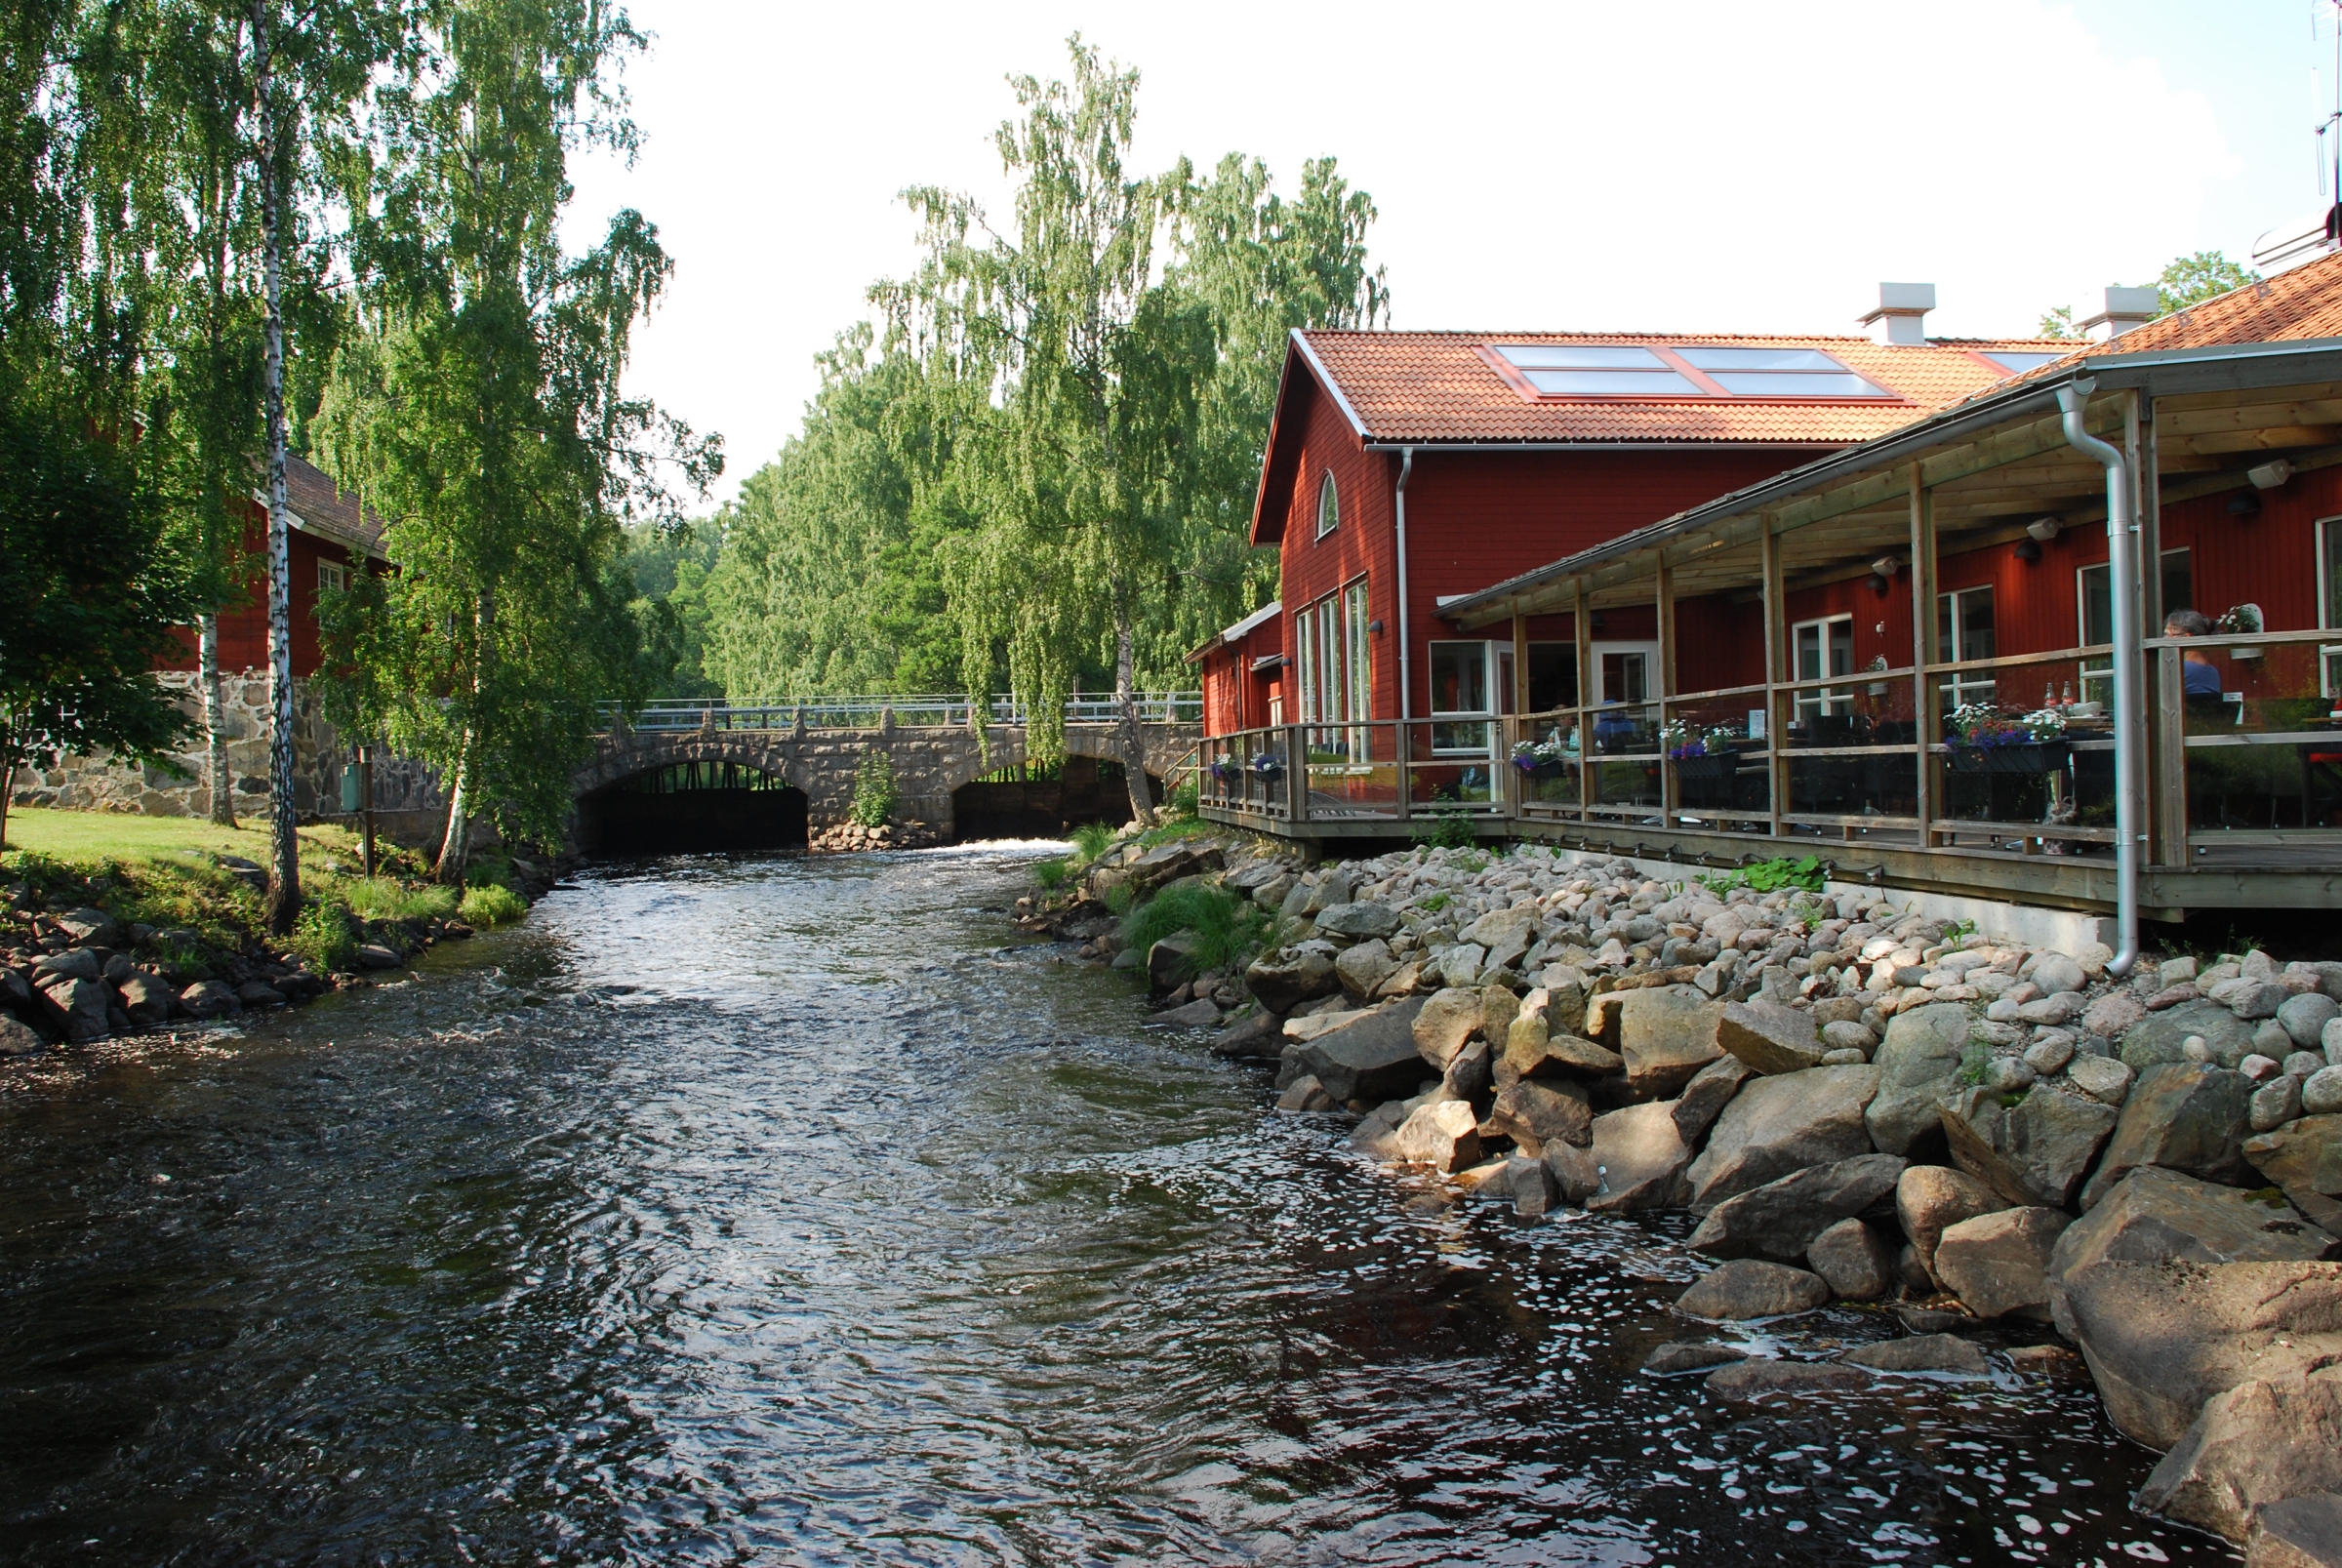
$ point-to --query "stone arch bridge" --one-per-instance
(931, 761)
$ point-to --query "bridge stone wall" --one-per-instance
(930, 761)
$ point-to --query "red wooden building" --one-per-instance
(1404, 469)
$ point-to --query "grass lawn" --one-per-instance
(89, 838)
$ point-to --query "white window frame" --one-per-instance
(1649, 651)
(331, 575)
(1823, 701)
(2330, 589)
(1446, 721)
(1963, 689)
(1329, 504)
(2096, 678)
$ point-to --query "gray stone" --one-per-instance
(2153, 1214)
(2321, 1092)
(2035, 1152)
(1467, 1074)
(1282, 983)
(1783, 1218)
(1640, 1158)
(2302, 1065)
(1306, 1094)
(1253, 1038)
(2184, 1116)
(2299, 1532)
(1168, 962)
(1536, 1114)
(1750, 1288)
(1999, 1263)
(1358, 921)
(2008, 1075)
(147, 1000)
(1334, 886)
(2257, 1443)
(1505, 934)
(1530, 1186)
(1665, 1034)
(1532, 1053)
(1929, 1200)
(1372, 1057)
(1445, 1135)
(92, 927)
(2049, 1057)
(78, 1008)
(74, 963)
(1273, 893)
(2305, 1017)
(2259, 1000)
(1916, 1065)
(1783, 1123)
(2102, 1078)
(207, 999)
(2258, 1067)
(1362, 968)
(2052, 1010)
(2303, 1160)
(2274, 1103)
(1945, 1353)
(1678, 1356)
(1769, 1038)
(2111, 1014)
(2162, 1338)
(2054, 972)
(260, 993)
(2159, 1037)
(1853, 1260)
(1460, 966)
(1203, 1013)
(1444, 1021)
(16, 1038)
(1753, 1379)
(1575, 1175)
(1844, 1034)
(1703, 1099)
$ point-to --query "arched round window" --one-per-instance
(1329, 507)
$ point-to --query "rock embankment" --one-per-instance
(1859, 1104)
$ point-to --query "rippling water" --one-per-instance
(865, 1232)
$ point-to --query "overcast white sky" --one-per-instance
(1566, 165)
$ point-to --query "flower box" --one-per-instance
(1723, 765)
(2027, 757)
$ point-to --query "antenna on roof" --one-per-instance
(2319, 233)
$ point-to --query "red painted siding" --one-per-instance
(244, 631)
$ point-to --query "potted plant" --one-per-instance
(2241, 620)
(1269, 766)
(1699, 753)
(1542, 759)
(1985, 740)
(1225, 770)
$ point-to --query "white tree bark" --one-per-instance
(214, 723)
(455, 848)
(284, 846)
(1134, 740)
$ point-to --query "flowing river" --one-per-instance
(806, 1212)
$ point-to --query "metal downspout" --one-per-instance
(2122, 559)
(1406, 688)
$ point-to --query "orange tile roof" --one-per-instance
(1434, 386)
(2293, 306)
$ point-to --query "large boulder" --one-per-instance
(2300, 1532)
(1170, 961)
(1362, 967)
(2035, 1152)
(1505, 933)
(2303, 1158)
(1999, 1263)
(1930, 1199)
(1705, 1098)
(1667, 1034)
(1758, 1379)
(1445, 1021)
(1782, 1218)
(2153, 1213)
(2184, 1116)
(1640, 1158)
(1537, 1114)
(2159, 1037)
(1749, 1287)
(2162, 1338)
(1357, 922)
(1445, 1135)
(1853, 1260)
(16, 1038)
(1372, 1057)
(1769, 1037)
(1281, 983)
(148, 999)
(1916, 1064)
(92, 927)
(1783, 1123)
(2258, 1443)
(78, 1008)
(1574, 1174)
(207, 999)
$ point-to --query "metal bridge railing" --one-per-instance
(673, 715)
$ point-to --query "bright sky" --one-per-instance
(1563, 165)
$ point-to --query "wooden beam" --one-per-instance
(1581, 627)
(1922, 649)
(1666, 605)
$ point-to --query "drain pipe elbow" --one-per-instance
(2122, 588)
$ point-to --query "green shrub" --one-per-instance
(1445, 827)
(874, 790)
(1180, 828)
(1051, 874)
(1771, 876)
(385, 898)
(1225, 928)
(1184, 799)
(322, 935)
(1118, 899)
(491, 906)
(1091, 840)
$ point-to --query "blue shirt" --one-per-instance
(2200, 680)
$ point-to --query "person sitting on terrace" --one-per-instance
(2200, 676)
(1612, 728)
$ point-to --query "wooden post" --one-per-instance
(1582, 624)
(2139, 445)
(1520, 663)
(1297, 773)
(2167, 776)
(366, 757)
(1666, 605)
(1922, 652)
(1776, 643)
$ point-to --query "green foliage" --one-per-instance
(1050, 874)
(1118, 899)
(1225, 928)
(1972, 1064)
(389, 898)
(1091, 840)
(1184, 799)
(1435, 903)
(2273, 1197)
(322, 934)
(2190, 280)
(1177, 828)
(1960, 931)
(662, 580)
(873, 789)
(1444, 827)
(2058, 323)
(1771, 876)
(490, 905)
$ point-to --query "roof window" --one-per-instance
(1590, 369)
(1778, 373)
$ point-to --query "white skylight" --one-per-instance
(1778, 373)
(1593, 369)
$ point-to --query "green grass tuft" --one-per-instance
(383, 897)
(1224, 927)
(1090, 840)
(1051, 874)
(492, 905)
(323, 936)
(1445, 828)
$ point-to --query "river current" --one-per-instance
(804, 1211)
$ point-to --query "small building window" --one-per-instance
(1963, 631)
(332, 576)
(1329, 506)
(1818, 649)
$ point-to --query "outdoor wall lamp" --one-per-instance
(1375, 627)
(2244, 506)
(2029, 550)
(1876, 582)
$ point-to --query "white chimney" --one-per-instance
(2126, 308)
(1902, 313)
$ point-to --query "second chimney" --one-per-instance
(2126, 308)
(1902, 313)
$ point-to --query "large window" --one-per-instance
(1963, 631)
(1335, 672)
(1553, 676)
(1818, 649)
(2097, 614)
(1459, 691)
(1329, 506)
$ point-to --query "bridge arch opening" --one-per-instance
(1030, 800)
(692, 808)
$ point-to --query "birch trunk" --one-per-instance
(1134, 740)
(455, 848)
(284, 846)
(214, 723)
